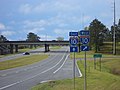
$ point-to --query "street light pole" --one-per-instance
(114, 33)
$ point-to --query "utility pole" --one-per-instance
(114, 33)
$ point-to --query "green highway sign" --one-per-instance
(97, 55)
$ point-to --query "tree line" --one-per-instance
(99, 33)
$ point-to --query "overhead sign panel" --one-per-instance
(73, 33)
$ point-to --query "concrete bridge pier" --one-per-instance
(11, 48)
(16, 48)
(47, 48)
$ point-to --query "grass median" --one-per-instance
(106, 79)
(55, 47)
(26, 60)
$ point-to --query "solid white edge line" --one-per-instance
(3, 75)
(31, 77)
(61, 65)
(80, 74)
(45, 81)
(8, 85)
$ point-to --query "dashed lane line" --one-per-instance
(32, 76)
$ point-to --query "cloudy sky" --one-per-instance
(52, 18)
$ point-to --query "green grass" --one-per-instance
(82, 54)
(2, 56)
(108, 46)
(55, 47)
(19, 51)
(25, 50)
(89, 54)
(21, 61)
(96, 80)
(113, 65)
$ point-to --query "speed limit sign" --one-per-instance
(73, 40)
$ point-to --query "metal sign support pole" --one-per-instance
(100, 63)
(94, 63)
(85, 83)
(74, 70)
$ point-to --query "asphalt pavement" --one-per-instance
(56, 67)
(12, 57)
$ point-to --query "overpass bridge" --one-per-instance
(14, 44)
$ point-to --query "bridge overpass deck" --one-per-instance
(35, 42)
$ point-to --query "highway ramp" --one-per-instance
(58, 66)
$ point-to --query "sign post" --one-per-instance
(73, 48)
(97, 56)
(84, 39)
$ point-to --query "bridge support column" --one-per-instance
(11, 48)
(16, 48)
(47, 48)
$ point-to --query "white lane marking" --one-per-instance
(17, 72)
(45, 81)
(31, 77)
(3, 75)
(80, 74)
(25, 69)
(31, 67)
(61, 65)
(8, 86)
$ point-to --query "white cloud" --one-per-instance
(87, 18)
(60, 31)
(34, 30)
(50, 6)
(25, 8)
(6, 30)
(34, 26)
(46, 37)
(8, 33)
(39, 23)
(2, 26)
(63, 31)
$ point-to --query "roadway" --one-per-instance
(11, 57)
(58, 66)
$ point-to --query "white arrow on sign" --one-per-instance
(85, 48)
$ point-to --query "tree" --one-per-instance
(2, 38)
(117, 31)
(32, 37)
(60, 38)
(98, 32)
(119, 22)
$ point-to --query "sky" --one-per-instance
(50, 19)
